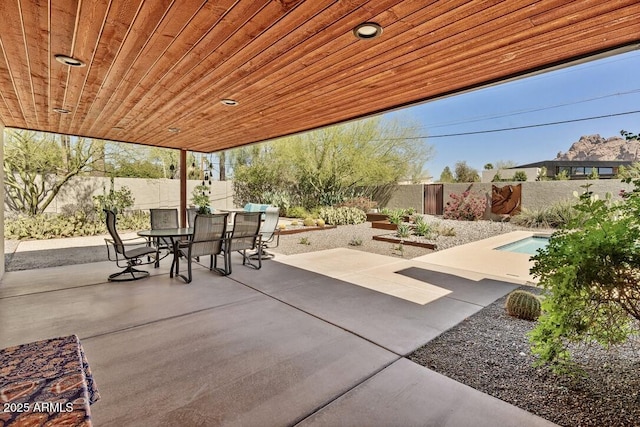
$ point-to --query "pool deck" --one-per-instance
(481, 257)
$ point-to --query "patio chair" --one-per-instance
(209, 233)
(162, 219)
(269, 233)
(127, 253)
(191, 216)
(244, 236)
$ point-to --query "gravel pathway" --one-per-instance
(490, 352)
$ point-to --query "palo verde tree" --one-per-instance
(37, 165)
(324, 167)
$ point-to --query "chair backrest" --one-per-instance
(272, 215)
(208, 233)
(246, 226)
(111, 226)
(191, 216)
(164, 218)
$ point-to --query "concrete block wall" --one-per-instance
(541, 194)
(404, 196)
(147, 193)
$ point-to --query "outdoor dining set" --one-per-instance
(221, 233)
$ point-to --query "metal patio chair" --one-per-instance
(127, 253)
(208, 238)
(245, 236)
(162, 219)
(191, 216)
(269, 233)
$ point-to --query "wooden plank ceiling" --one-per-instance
(292, 65)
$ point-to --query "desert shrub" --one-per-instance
(297, 212)
(365, 204)
(281, 199)
(465, 207)
(520, 176)
(342, 216)
(52, 226)
(396, 216)
(355, 241)
(523, 305)
(554, 216)
(309, 222)
(304, 241)
(115, 200)
(422, 228)
(403, 231)
(589, 271)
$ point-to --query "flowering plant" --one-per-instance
(465, 207)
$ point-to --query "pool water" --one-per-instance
(528, 246)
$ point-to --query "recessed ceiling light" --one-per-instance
(174, 130)
(229, 102)
(61, 110)
(367, 30)
(67, 60)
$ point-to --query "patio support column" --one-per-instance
(2, 198)
(183, 188)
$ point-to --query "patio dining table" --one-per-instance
(46, 382)
(173, 234)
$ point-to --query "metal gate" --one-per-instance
(433, 199)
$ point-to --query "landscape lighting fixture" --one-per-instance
(367, 30)
(229, 102)
(61, 110)
(71, 62)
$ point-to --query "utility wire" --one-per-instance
(530, 110)
(516, 127)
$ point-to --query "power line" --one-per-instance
(530, 110)
(517, 127)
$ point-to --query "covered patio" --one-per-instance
(283, 345)
(276, 347)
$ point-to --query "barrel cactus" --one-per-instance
(523, 305)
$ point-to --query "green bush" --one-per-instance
(342, 216)
(589, 272)
(297, 212)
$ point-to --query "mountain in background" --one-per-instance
(595, 147)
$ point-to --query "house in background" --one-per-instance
(531, 172)
(578, 169)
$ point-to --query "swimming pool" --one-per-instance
(529, 245)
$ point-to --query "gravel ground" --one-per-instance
(343, 235)
(490, 352)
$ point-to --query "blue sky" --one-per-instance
(597, 88)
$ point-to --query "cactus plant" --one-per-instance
(309, 222)
(523, 305)
(320, 222)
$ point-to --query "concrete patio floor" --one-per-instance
(314, 340)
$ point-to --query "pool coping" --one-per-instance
(482, 257)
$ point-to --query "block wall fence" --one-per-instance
(165, 193)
